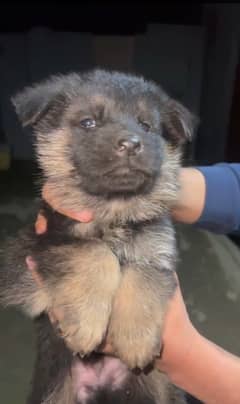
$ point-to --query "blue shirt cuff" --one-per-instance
(221, 212)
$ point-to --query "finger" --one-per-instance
(40, 224)
(85, 215)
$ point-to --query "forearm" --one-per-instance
(207, 372)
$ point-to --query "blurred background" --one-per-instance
(193, 51)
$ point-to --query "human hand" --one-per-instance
(178, 334)
(84, 216)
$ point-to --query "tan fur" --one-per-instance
(41, 301)
(86, 293)
(38, 301)
(136, 320)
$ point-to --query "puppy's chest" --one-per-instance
(120, 239)
(122, 242)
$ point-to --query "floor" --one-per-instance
(209, 271)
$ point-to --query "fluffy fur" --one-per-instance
(110, 142)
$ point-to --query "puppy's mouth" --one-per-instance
(127, 180)
(120, 180)
(127, 171)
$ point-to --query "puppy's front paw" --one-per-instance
(137, 342)
(84, 330)
(85, 296)
(135, 327)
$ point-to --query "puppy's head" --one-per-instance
(109, 135)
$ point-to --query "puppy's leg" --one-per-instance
(148, 283)
(55, 393)
(78, 279)
(52, 382)
(89, 276)
(137, 317)
(17, 285)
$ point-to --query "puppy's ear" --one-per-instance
(179, 124)
(34, 102)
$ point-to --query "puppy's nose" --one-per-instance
(129, 145)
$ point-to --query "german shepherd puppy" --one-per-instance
(110, 142)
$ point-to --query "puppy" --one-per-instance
(109, 142)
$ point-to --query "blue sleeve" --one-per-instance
(221, 213)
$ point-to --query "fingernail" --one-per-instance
(85, 216)
(40, 224)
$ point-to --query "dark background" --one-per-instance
(191, 50)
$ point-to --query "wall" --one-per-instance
(171, 55)
(221, 58)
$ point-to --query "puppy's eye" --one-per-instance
(145, 125)
(88, 123)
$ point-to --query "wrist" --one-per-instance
(192, 194)
(181, 351)
(176, 364)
